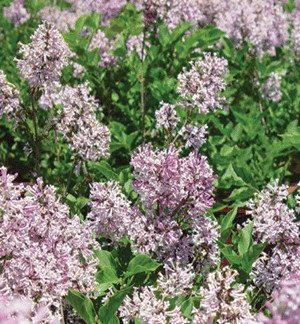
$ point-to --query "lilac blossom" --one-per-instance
(270, 268)
(110, 210)
(78, 70)
(79, 125)
(194, 136)
(200, 86)
(285, 304)
(172, 182)
(274, 221)
(44, 58)
(21, 310)
(145, 306)
(263, 23)
(16, 13)
(221, 301)
(271, 89)
(135, 43)
(166, 117)
(9, 98)
(177, 280)
(43, 252)
(63, 20)
(105, 47)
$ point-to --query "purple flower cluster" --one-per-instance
(105, 47)
(285, 305)
(78, 122)
(43, 251)
(16, 12)
(21, 310)
(223, 301)
(110, 210)
(179, 184)
(263, 23)
(148, 308)
(44, 58)
(63, 20)
(194, 136)
(171, 188)
(271, 89)
(200, 87)
(275, 223)
(9, 98)
(166, 117)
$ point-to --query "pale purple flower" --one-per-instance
(78, 70)
(63, 20)
(166, 117)
(16, 12)
(177, 280)
(162, 177)
(45, 57)
(281, 261)
(272, 88)
(273, 220)
(194, 136)
(110, 210)
(21, 310)
(223, 301)
(145, 306)
(9, 99)
(135, 43)
(262, 23)
(200, 87)
(285, 305)
(105, 47)
(43, 252)
(79, 125)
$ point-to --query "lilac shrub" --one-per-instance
(200, 86)
(43, 251)
(43, 58)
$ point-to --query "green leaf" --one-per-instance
(226, 223)
(83, 306)
(141, 263)
(245, 238)
(107, 272)
(108, 310)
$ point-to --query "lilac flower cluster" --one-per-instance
(271, 89)
(200, 87)
(16, 12)
(194, 136)
(285, 305)
(43, 251)
(105, 47)
(165, 179)
(43, 58)
(135, 43)
(145, 306)
(263, 23)
(78, 122)
(21, 310)
(170, 188)
(275, 223)
(63, 20)
(9, 98)
(270, 269)
(166, 117)
(110, 210)
(221, 301)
